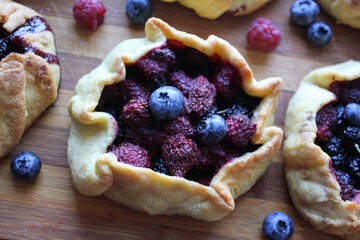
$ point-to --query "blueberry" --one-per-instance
(25, 165)
(212, 130)
(319, 34)
(166, 103)
(352, 114)
(139, 11)
(304, 12)
(278, 226)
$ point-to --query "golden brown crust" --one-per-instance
(313, 188)
(213, 9)
(94, 171)
(28, 84)
(345, 11)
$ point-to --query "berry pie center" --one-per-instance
(180, 113)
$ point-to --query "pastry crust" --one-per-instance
(94, 171)
(313, 188)
(345, 11)
(213, 9)
(28, 83)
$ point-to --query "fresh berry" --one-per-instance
(352, 134)
(240, 130)
(181, 124)
(347, 192)
(319, 34)
(25, 166)
(278, 226)
(201, 95)
(181, 81)
(212, 130)
(334, 146)
(180, 154)
(156, 63)
(223, 81)
(166, 103)
(89, 13)
(139, 11)
(352, 114)
(4, 51)
(136, 112)
(132, 154)
(354, 167)
(263, 35)
(304, 12)
(158, 165)
(325, 121)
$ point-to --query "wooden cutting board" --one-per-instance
(50, 207)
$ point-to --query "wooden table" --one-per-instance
(50, 207)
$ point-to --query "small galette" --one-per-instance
(29, 71)
(213, 9)
(322, 149)
(172, 124)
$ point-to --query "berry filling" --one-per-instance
(14, 41)
(186, 113)
(338, 135)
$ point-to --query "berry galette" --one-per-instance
(345, 11)
(172, 124)
(322, 149)
(29, 71)
(213, 9)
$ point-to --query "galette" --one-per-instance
(172, 124)
(345, 11)
(29, 71)
(322, 149)
(213, 9)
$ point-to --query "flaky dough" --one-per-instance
(215, 8)
(28, 84)
(94, 171)
(345, 11)
(313, 188)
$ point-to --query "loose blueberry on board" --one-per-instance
(304, 12)
(319, 34)
(25, 166)
(166, 103)
(212, 130)
(139, 11)
(89, 13)
(352, 114)
(278, 226)
(263, 35)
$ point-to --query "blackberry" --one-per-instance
(352, 134)
(347, 191)
(354, 169)
(158, 165)
(334, 146)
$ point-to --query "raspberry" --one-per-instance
(325, 120)
(89, 13)
(179, 154)
(187, 108)
(156, 63)
(132, 154)
(136, 112)
(223, 81)
(181, 81)
(201, 95)
(263, 35)
(131, 89)
(347, 91)
(180, 125)
(240, 129)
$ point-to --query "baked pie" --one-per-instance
(321, 150)
(213, 9)
(29, 71)
(179, 161)
(345, 11)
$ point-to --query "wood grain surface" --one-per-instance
(50, 207)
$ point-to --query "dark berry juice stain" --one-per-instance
(14, 41)
(157, 68)
(341, 139)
